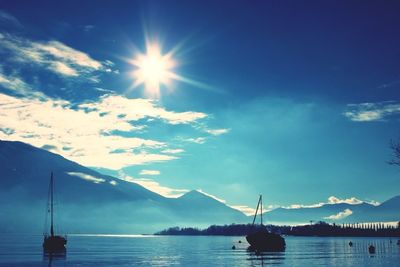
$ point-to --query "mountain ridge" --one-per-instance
(100, 203)
(339, 212)
(120, 206)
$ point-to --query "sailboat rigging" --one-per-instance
(52, 242)
(261, 239)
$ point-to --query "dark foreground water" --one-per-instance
(122, 251)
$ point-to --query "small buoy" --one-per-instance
(240, 241)
(350, 244)
(233, 247)
(371, 249)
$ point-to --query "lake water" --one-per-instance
(123, 251)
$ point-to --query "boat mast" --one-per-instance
(255, 215)
(261, 208)
(51, 204)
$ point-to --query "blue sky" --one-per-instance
(293, 100)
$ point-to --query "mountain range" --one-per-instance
(90, 202)
(388, 211)
(87, 201)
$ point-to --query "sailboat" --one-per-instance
(261, 239)
(52, 242)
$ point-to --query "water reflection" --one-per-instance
(382, 247)
(263, 258)
(52, 259)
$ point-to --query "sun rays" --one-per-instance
(155, 70)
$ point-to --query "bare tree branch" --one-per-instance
(395, 146)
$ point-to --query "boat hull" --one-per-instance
(265, 241)
(54, 243)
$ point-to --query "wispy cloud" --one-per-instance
(244, 209)
(103, 90)
(299, 206)
(371, 111)
(87, 177)
(250, 210)
(333, 200)
(153, 186)
(198, 140)
(9, 19)
(18, 86)
(92, 178)
(88, 28)
(173, 151)
(52, 55)
(149, 172)
(136, 109)
(216, 131)
(394, 83)
(340, 215)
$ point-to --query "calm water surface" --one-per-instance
(122, 251)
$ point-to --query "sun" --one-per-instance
(153, 69)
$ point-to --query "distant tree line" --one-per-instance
(317, 229)
(355, 229)
(227, 230)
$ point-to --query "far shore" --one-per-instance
(317, 229)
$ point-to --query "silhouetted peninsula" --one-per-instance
(317, 229)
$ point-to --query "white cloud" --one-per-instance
(373, 202)
(173, 151)
(352, 200)
(332, 200)
(75, 131)
(217, 131)
(114, 183)
(136, 109)
(52, 55)
(79, 135)
(62, 68)
(198, 140)
(153, 186)
(244, 209)
(103, 90)
(340, 215)
(371, 111)
(149, 172)
(87, 177)
(299, 206)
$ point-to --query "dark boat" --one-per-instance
(52, 242)
(260, 239)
